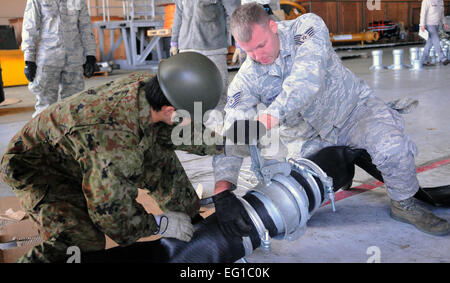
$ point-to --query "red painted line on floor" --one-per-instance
(375, 184)
(433, 165)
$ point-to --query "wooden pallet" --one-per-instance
(164, 32)
(100, 74)
(10, 101)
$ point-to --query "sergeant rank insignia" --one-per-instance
(234, 100)
(301, 38)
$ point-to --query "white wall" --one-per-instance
(10, 9)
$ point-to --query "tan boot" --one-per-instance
(412, 212)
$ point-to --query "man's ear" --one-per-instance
(273, 26)
(168, 111)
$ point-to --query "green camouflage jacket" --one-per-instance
(104, 137)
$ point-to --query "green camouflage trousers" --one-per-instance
(53, 198)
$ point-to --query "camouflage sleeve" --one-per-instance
(86, 31)
(306, 81)
(30, 30)
(112, 166)
(226, 168)
(241, 100)
(177, 19)
(241, 105)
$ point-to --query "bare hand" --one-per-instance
(268, 121)
(221, 186)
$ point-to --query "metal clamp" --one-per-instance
(331, 197)
(260, 228)
(266, 243)
(272, 168)
(257, 163)
(306, 165)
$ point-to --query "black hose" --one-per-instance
(208, 245)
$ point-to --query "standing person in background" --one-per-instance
(264, 3)
(431, 17)
(201, 26)
(59, 47)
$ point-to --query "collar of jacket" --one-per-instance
(285, 51)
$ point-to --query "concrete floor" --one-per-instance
(361, 230)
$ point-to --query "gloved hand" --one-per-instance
(238, 54)
(175, 225)
(30, 70)
(173, 50)
(90, 66)
(232, 218)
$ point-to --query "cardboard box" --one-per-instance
(11, 230)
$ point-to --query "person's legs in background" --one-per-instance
(433, 32)
(71, 81)
(45, 86)
(433, 40)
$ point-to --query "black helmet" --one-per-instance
(189, 77)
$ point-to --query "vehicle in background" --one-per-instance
(386, 29)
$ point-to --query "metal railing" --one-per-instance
(131, 9)
(138, 16)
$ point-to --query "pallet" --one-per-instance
(10, 101)
(164, 32)
(100, 74)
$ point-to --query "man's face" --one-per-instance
(264, 46)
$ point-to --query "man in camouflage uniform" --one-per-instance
(76, 168)
(314, 101)
(57, 39)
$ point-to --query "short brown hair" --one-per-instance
(245, 17)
